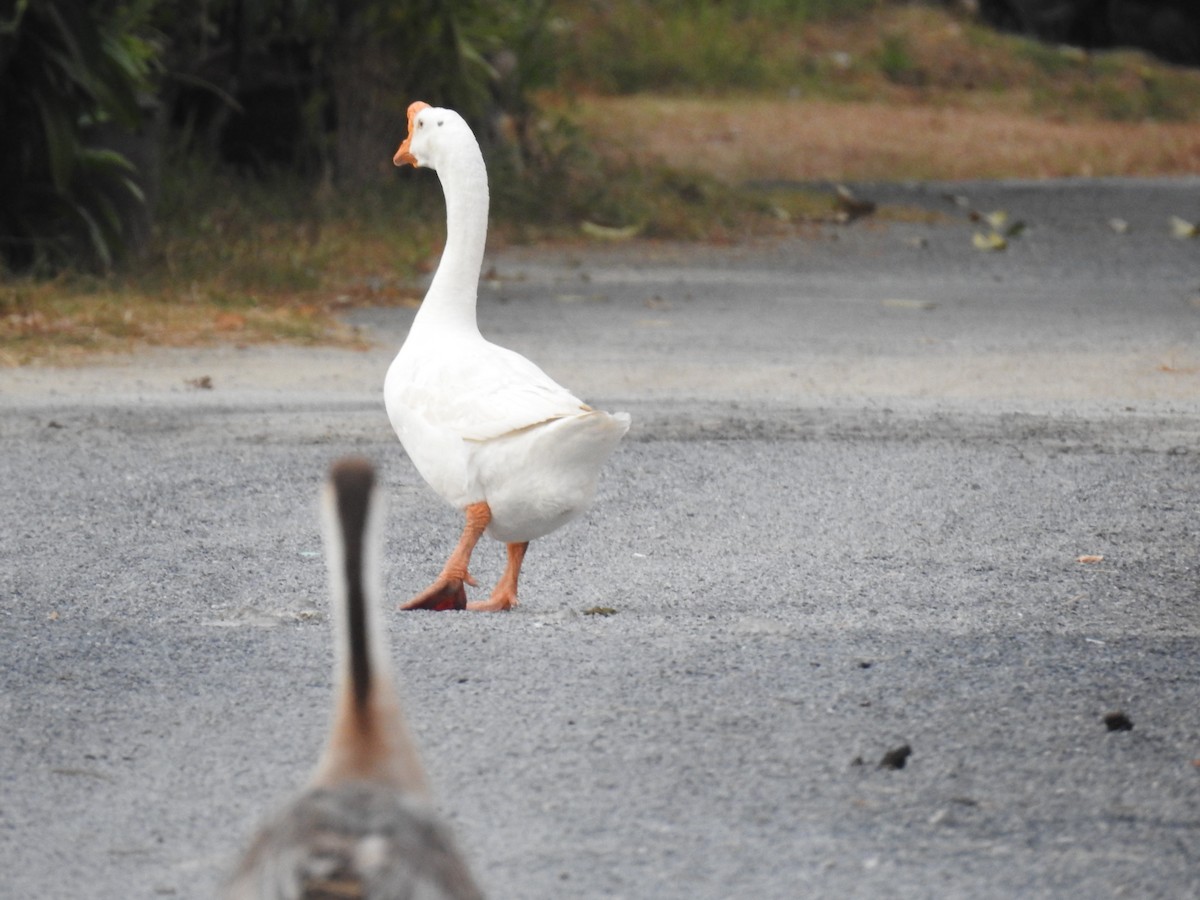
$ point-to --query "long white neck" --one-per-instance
(450, 299)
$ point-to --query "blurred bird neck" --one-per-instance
(370, 742)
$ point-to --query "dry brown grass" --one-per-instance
(62, 323)
(754, 138)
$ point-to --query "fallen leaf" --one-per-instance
(1089, 558)
(1183, 229)
(989, 242)
(1120, 226)
(600, 611)
(203, 383)
(608, 233)
(850, 207)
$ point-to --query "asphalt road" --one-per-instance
(864, 466)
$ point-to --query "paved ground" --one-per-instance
(863, 468)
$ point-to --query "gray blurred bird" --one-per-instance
(364, 827)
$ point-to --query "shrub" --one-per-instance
(67, 69)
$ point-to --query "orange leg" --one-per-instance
(505, 595)
(448, 592)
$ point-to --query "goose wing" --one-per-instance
(486, 394)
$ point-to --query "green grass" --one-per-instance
(895, 60)
(626, 46)
(282, 235)
(854, 51)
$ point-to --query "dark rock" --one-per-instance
(896, 758)
(1118, 721)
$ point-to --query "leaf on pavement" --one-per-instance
(989, 242)
(1183, 229)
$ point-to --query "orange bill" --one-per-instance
(404, 154)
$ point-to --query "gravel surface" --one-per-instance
(864, 468)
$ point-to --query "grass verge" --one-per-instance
(664, 113)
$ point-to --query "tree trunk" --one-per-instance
(371, 119)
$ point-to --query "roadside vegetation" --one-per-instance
(621, 118)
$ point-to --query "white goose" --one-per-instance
(492, 433)
(364, 827)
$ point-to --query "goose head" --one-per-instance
(433, 135)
